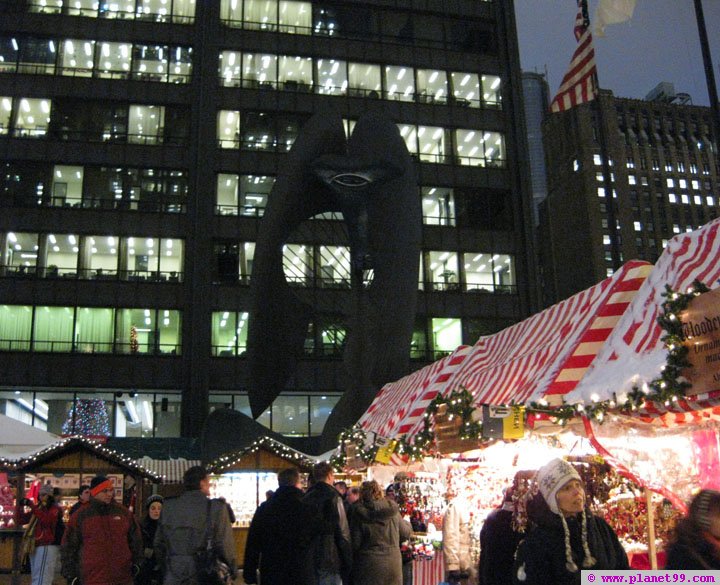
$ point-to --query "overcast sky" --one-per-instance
(660, 43)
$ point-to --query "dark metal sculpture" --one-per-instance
(370, 178)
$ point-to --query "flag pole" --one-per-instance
(615, 255)
(709, 73)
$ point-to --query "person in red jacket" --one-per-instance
(102, 543)
(48, 532)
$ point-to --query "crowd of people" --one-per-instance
(329, 534)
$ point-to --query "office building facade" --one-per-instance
(660, 173)
(140, 141)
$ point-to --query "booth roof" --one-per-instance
(635, 353)
(76, 443)
(544, 355)
(171, 470)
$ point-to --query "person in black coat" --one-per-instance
(695, 544)
(566, 537)
(279, 534)
(498, 542)
(150, 573)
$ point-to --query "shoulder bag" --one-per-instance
(211, 569)
(27, 545)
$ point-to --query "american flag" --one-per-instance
(580, 82)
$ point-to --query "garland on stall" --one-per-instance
(457, 403)
(669, 387)
(357, 437)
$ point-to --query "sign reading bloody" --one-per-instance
(701, 329)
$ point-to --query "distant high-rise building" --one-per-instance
(536, 96)
(663, 181)
(140, 141)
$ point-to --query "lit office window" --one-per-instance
(399, 83)
(632, 180)
(183, 11)
(5, 112)
(180, 65)
(150, 62)
(710, 200)
(94, 330)
(364, 80)
(32, 117)
(82, 7)
(15, 327)
(446, 335)
(438, 205)
(672, 198)
(147, 331)
(478, 272)
(670, 182)
(231, 68)
(231, 12)
(157, 259)
(443, 270)
(145, 124)
(254, 193)
(333, 266)
(479, 148)
(53, 329)
(492, 91)
(229, 333)
(124, 9)
(597, 160)
(295, 73)
(226, 194)
(685, 199)
(76, 57)
(432, 143)
(332, 335)
(259, 70)
(408, 132)
(465, 89)
(21, 253)
(290, 415)
(431, 86)
(503, 273)
(637, 226)
(46, 6)
(62, 255)
(101, 256)
(112, 60)
(320, 408)
(298, 264)
(228, 131)
(260, 15)
(332, 77)
(295, 17)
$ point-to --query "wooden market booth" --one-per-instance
(243, 477)
(67, 465)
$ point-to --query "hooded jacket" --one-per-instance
(101, 544)
(541, 556)
(377, 529)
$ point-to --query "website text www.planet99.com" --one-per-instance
(659, 576)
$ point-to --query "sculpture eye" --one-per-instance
(351, 180)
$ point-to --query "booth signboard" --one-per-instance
(701, 329)
(503, 422)
(447, 433)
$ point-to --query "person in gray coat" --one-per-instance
(180, 533)
(377, 529)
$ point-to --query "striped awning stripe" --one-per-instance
(172, 470)
(543, 354)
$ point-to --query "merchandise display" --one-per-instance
(244, 491)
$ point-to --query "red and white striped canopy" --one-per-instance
(547, 353)
(634, 353)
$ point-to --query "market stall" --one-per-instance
(243, 478)
(66, 465)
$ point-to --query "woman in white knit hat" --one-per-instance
(566, 538)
